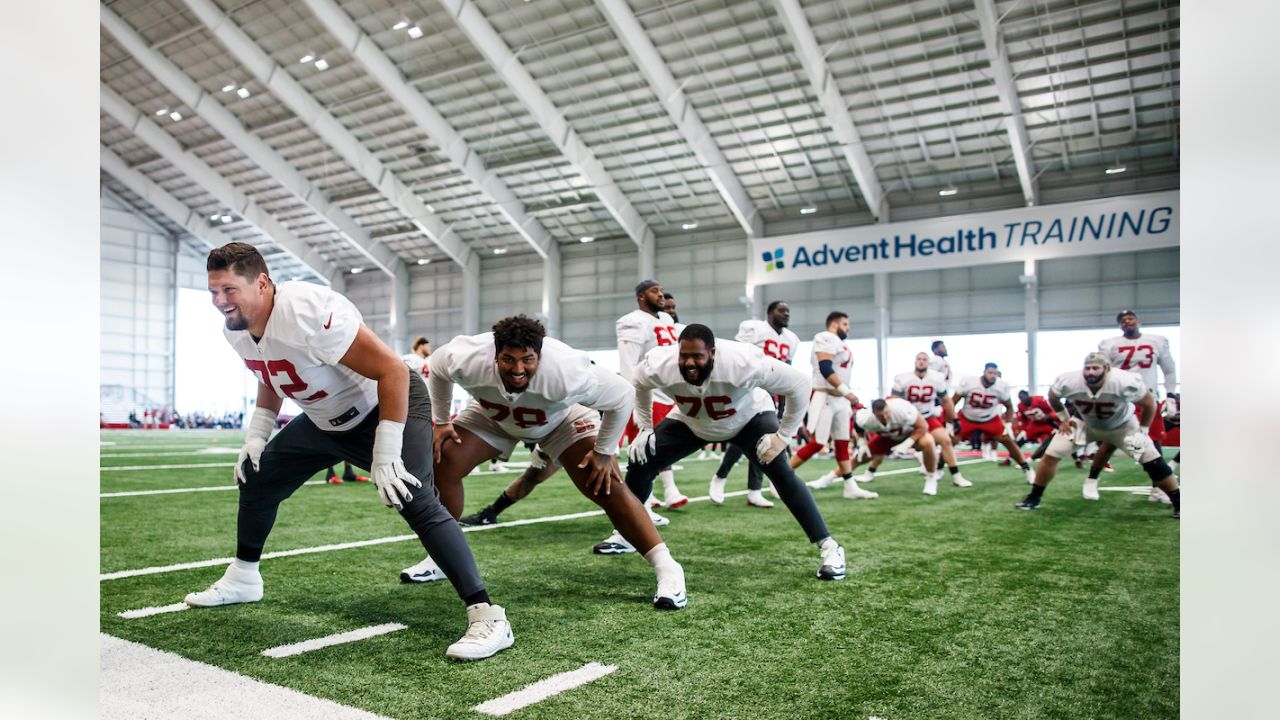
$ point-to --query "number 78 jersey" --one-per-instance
(1108, 408)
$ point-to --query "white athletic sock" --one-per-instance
(823, 543)
(660, 559)
(669, 488)
(245, 565)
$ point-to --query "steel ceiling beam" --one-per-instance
(213, 183)
(310, 112)
(998, 57)
(431, 122)
(833, 106)
(552, 121)
(221, 120)
(671, 94)
(172, 208)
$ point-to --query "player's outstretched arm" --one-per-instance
(948, 409)
(614, 399)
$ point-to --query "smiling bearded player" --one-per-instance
(526, 386)
(360, 403)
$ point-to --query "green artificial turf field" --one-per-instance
(955, 606)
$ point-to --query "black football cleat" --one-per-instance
(1028, 503)
(1177, 514)
(487, 516)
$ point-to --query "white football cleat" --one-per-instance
(653, 501)
(424, 572)
(1158, 496)
(1090, 490)
(959, 481)
(702, 454)
(930, 484)
(235, 586)
(488, 633)
(678, 500)
(756, 498)
(670, 594)
(615, 544)
(497, 466)
(853, 492)
(865, 477)
(656, 519)
(1031, 476)
(716, 491)
(824, 481)
(832, 567)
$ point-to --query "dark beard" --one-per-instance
(703, 373)
(842, 334)
(240, 324)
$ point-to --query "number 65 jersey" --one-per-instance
(1108, 408)
(740, 385)
(309, 331)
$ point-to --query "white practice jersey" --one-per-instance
(741, 386)
(1141, 355)
(416, 363)
(565, 377)
(638, 333)
(778, 345)
(921, 391)
(982, 403)
(1108, 408)
(942, 366)
(902, 419)
(829, 343)
(310, 329)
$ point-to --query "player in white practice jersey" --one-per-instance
(927, 391)
(722, 391)
(526, 386)
(939, 363)
(1105, 398)
(983, 395)
(639, 331)
(890, 422)
(831, 405)
(777, 341)
(359, 403)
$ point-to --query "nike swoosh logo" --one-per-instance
(326, 325)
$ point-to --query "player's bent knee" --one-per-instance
(1157, 469)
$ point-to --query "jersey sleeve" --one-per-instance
(442, 366)
(1060, 387)
(630, 345)
(329, 322)
(1133, 389)
(779, 378)
(826, 343)
(746, 332)
(1168, 367)
(645, 382)
(612, 397)
(899, 385)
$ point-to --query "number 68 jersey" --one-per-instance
(1108, 408)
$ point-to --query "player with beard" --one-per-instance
(722, 390)
(526, 386)
(777, 341)
(927, 390)
(982, 394)
(359, 404)
(671, 306)
(1104, 398)
(831, 405)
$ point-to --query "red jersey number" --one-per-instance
(920, 393)
(523, 417)
(294, 388)
(666, 334)
(978, 401)
(1146, 358)
(1099, 410)
(714, 405)
(775, 349)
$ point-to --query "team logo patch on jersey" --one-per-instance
(584, 425)
(773, 260)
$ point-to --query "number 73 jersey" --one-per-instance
(1108, 408)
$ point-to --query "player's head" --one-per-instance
(239, 284)
(697, 353)
(1128, 322)
(880, 409)
(517, 342)
(989, 374)
(939, 348)
(1096, 365)
(778, 314)
(838, 323)
(422, 346)
(922, 362)
(1024, 397)
(649, 296)
(670, 301)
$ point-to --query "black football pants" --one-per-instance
(301, 450)
(755, 478)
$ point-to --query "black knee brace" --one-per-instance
(1157, 470)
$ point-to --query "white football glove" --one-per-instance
(255, 440)
(1137, 443)
(389, 475)
(643, 447)
(863, 453)
(770, 446)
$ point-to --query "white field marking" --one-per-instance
(121, 468)
(136, 681)
(134, 493)
(105, 442)
(156, 452)
(401, 538)
(543, 689)
(148, 612)
(351, 636)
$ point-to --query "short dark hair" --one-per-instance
(645, 285)
(1024, 392)
(419, 341)
(698, 332)
(990, 366)
(774, 304)
(1122, 313)
(935, 344)
(835, 315)
(668, 296)
(240, 258)
(520, 331)
(878, 404)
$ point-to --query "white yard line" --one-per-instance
(340, 638)
(135, 493)
(544, 689)
(136, 681)
(401, 538)
(120, 468)
(149, 611)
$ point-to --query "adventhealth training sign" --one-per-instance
(1121, 224)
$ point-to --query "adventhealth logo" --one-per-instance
(773, 260)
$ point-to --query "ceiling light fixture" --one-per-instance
(423, 261)
(226, 219)
(948, 191)
(175, 116)
(162, 111)
(1116, 169)
(306, 58)
(415, 32)
(228, 87)
(356, 271)
(689, 226)
(321, 64)
(215, 216)
(499, 251)
(808, 210)
(586, 239)
(243, 92)
(400, 25)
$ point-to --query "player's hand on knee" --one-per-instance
(770, 446)
(1136, 443)
(251, 451)
(393, 481)
(644, 447)
(604, 472)
(863, 453)
(443, 434)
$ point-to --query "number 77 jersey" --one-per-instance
(740, 386)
